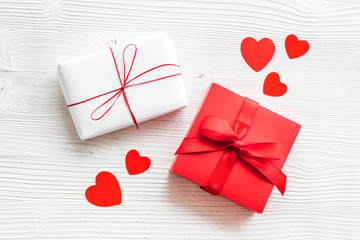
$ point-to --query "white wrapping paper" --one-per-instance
(94, 74)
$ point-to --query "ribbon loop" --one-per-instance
(114, 98)
(126, 75)
(218, 130)
(124, 83)
(267, 151)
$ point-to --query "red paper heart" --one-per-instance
(273, 86)
(257, 54)
(106, 191)
(136, 164)
(294, 47)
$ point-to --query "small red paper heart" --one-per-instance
(135, 163)
(295, 47)
(106, 191)
(273, 86)
(257, 54)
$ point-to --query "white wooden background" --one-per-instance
(45, 169)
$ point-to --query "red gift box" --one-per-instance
(236, 148)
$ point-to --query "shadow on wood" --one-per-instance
(214, 208)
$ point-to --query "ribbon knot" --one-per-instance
(219, 135)
(124, 84)
(237, 144)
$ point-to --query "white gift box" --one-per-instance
(93, 92)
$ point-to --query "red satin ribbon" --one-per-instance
(125, 85)
(218, 135)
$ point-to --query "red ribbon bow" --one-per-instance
(124, 84)
(218, 135)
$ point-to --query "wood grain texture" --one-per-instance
(45, 168)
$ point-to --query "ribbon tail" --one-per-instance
(270, 172)
(200, 145)
(221, 173)
(152, 69)
(131, 112)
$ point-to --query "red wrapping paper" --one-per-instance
(243, 184)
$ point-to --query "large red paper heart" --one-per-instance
(273, 86)
(294, 47)
(257, 54)
(106, 192)
(135, 163)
